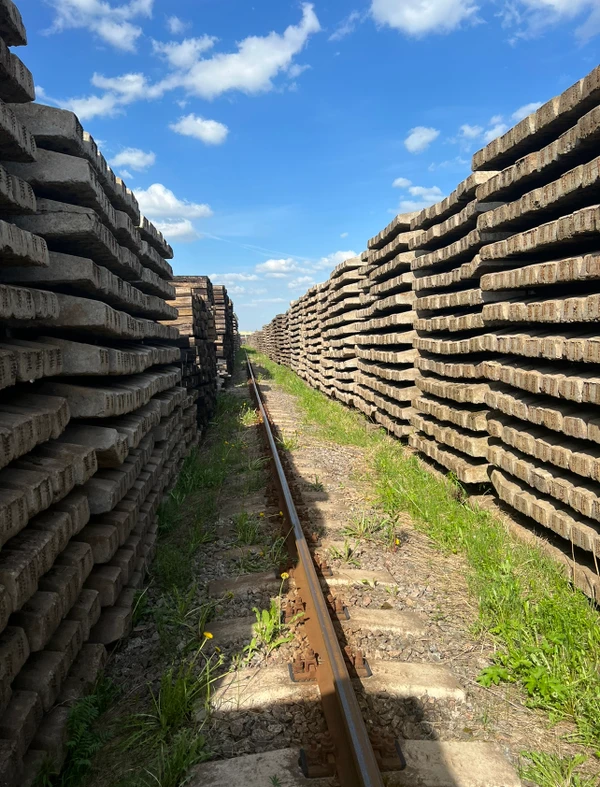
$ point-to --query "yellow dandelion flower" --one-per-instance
(285, 575)
(397, 542)
(262, 513)
(207, 634)
(281, 513)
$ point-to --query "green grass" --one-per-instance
(550, 770)
(85, 739)
(547, 632)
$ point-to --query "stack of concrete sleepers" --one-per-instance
(542, 336)
(310, 336)
(385, 375)
(196, 341)
(224, 328)
(87, 412)
(280, 354)
(295, 314)
(341, 326)
(450, 417)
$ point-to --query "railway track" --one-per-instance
(351, 737)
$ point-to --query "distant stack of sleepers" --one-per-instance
(450, 419)
(340, 324)
(385, 387)
(482, 310)
(225, 334)
(197, 334)
(94, 421)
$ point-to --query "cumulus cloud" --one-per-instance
(420, 138)
(251, 69)
(183, 54)
(525, 110)
(135, 158)
(419, 197)
(231, 278)
(257, 62)
(532, 17)
(176, 26)
(346, 26)
(301, 282)
(211, 132)
(470, 132)
(331, 260)
(110, 23)
(420, 17)
(494, 131)
(182, 231)
(401, 183)
(277, 269)
(159, 202)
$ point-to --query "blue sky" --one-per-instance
(269, 139)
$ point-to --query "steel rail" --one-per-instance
(356, 764)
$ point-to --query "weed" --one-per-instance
(248, 416)
(372, 527)
(269, 631)
(393, 591)
(288, 442)
(84, 738)
(271, 557)
(140, 606)
(316, 485)
(182, 690)
(188, 748)
(550, 770)
(344, 555)
(275, 781)
(247, 528)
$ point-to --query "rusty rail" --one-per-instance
(355, 760)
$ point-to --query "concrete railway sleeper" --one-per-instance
(353, 742)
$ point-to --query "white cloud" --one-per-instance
(344, 234)
(470, 132)
(277, 269)
(250, 70)
(301, 281)
(525, 110)
(429, 194)
(295, 70)
(182, 230)
(211, 132)
(110, 23)
(257, 62)
(259, 301)
(331, 260)
(183, 54)
(346, 26)
(125, 173)
(423, 197)
(230, 278)
(401, 183)
(419, 138)
(176, 25)
(533, 17)
(495, 131)
(419, 17)
(92, 106)
(159, 202)
(135, 158)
